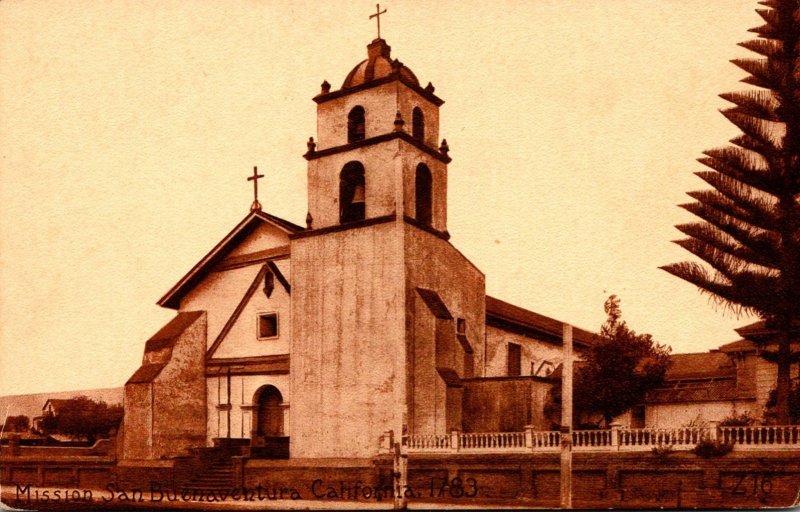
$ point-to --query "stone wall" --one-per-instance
(602, 480)
(505, 404)
(436, 360)
(165, 415)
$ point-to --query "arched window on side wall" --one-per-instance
(418, 124)
(424, 195)
(356, 124)
(352, 193)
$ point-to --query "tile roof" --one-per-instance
(702, 365)
(55, 403)
(166, 336)
(146, 373)
(504, 315)
(737, 346)
(760, 331)
(699, 377)
(698, 391)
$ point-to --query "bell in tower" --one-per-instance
(365, 165)
(352, 193)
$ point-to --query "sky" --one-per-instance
(128, 129)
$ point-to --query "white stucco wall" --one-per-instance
(681, 414)
(243, 390)
(347, 354)
(243, 341)
(533, 351)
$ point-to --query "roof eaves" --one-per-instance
(535, 322)
(172, 298)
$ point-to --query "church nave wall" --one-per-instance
(536, 355)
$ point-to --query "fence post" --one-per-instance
(13, 445)
(386, 442)
(615, 435)
(455, 444)
(713, 428)
(528, 429)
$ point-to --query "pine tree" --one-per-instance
(749, 234)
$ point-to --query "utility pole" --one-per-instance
(400, 475)
(566, 420)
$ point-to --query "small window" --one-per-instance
(461, 326)
(267, 325)
(514, 360)
(356, 124)
(418, 124)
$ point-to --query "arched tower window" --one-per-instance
(356, 124)
(352, 193)
(424, 195)
(418, 124)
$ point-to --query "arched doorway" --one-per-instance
(269, 439)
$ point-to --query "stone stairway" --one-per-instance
(218, 476)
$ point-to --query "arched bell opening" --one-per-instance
(352, 193)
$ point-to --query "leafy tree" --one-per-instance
(749, 234)
(19, 423)
(83, 417)
(618, 371)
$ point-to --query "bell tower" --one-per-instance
(377, 150)
(377, 288)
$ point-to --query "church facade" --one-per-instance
(329, 340)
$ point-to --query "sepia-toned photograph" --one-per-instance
(274, 254)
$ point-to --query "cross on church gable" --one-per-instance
(254, 178)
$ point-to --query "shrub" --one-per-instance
(697, 422)
(738, 420)
(711, 448)
(662, 451)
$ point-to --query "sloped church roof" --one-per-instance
(255, 218)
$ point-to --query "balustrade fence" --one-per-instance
(773, 437)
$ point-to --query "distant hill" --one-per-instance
(31, 405)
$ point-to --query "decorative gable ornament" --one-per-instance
(269, 283)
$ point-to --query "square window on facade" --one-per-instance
(461, 326)
(268, 325)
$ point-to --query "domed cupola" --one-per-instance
(378, 65)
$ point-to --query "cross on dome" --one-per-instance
(377, 16)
